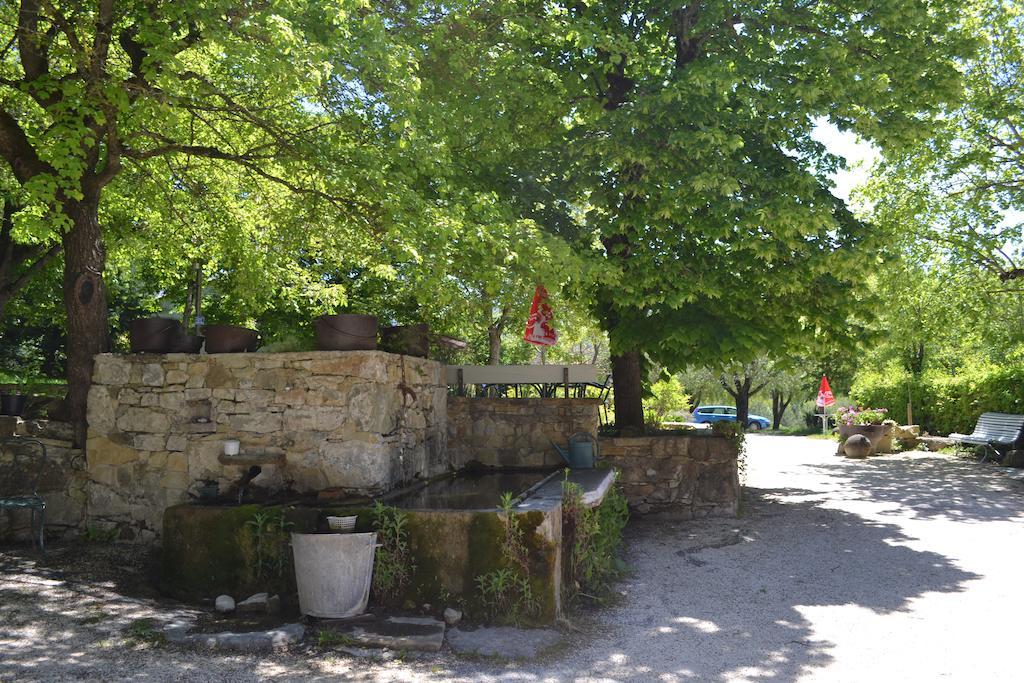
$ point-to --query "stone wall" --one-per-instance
(690, 475)
(355, 421)
(516, 432)
(62, 480)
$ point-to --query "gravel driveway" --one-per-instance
(900, 568)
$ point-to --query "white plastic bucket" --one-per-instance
(333, 573)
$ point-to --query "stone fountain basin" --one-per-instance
(207, 549)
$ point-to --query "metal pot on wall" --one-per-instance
(346, 332)
(230, 339)
(408, 340)
(13, 404)
(153, 335)
(183, 342)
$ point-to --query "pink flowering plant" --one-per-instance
(860, 416)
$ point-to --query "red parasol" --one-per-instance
(539, 328)
(825, 397)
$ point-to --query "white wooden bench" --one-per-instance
(565, 375)
(996, 432)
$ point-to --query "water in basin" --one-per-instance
(468, 490)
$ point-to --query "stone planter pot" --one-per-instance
(876, 434)
(857, 446)
(346, 332)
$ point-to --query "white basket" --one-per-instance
(342, 524)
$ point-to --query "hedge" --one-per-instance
(943, 402)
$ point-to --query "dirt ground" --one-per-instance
(896, 568)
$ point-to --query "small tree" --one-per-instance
(741, 381)
(667, 398)
(784, 385)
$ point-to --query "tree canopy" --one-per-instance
(653, 165)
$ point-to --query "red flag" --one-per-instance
(539, 328)
(825, 397)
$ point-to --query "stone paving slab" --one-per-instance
(505, 642)
(425, 634)
(253, 641)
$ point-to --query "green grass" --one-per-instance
(809, 432)
(12, 378)
(329, 638)
(144, 632)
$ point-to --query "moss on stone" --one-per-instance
(206, 551)
(209, 550)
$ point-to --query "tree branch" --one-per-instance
(41, 262)
(18, 152)
(66, 28)
(33, 52)
(101, 40)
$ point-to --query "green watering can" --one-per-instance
(581, 451)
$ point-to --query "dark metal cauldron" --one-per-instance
(13, 404)
(409, 340)
(185, 343)
(230, 339)
(346, 332)
(153, 335)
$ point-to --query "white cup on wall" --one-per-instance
(231, 446)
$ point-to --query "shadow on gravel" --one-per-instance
(931, 487)
(710, 600)
(737, 609)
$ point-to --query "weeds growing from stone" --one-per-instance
(591, 537)
(393, 565)
(507, 593)
(269, 545)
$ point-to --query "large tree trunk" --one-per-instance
(627, 380)
(85, 298)
(493, 345)
(494, 332)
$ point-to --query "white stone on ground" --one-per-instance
(452, 616)
(254, 603)
(224, 604)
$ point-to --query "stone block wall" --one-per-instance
(356, 421)
(62, 480)
(503, 432)
(690, 475)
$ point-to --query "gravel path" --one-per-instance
(897, 568)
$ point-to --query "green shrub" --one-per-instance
(591, 538)
(667, 398)
(944, 402)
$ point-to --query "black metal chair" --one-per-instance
(603, 391)
(19, 482)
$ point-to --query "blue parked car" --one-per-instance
(710, 414)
